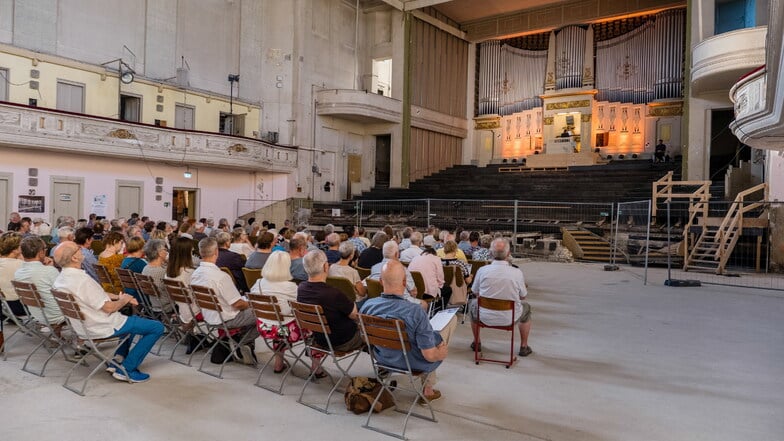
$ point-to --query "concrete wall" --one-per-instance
(698, 137)
(219, 188)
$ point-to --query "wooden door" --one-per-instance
(354, 179)
(66, 199)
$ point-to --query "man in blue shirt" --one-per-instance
(428, 347)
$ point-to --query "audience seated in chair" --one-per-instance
(229, 259)
(428, 348)
(258, 258)
(40, 271)
(339, 311)
(500, 280)
(341, 268)
(102, 314)
(298, 247)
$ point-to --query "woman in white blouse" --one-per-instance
(240, 243)
(276, 281)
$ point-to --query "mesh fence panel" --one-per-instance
(631, 238)
(753, 260)
(397, 213)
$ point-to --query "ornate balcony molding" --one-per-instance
(44, 129)
(759, 96)
(718, 61)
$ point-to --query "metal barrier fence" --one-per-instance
(631, 237)
(717, 253)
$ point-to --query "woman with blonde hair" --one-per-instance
(240, 243)
(276, 281)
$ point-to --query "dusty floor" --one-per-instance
(613, 360)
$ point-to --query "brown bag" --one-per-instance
(362, 391)
(459, 288)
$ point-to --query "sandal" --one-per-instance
(320, 375)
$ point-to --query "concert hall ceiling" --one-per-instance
(463, 11)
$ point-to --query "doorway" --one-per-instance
(354, 178)
(725, 148)
(5, 195)
(66, 197)
(185, 203)
(129, 198)
(383, 150)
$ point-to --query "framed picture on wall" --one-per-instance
(31, 204)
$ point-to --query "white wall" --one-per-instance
(775, 176)
(219, 188)
(699, 133)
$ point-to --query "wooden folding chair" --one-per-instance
(344, 285)
(30, 298)
(128, 281)
(73, 313)
(495, 305)
(181, 294)
(419, 282)
(149, 289)
(311, 318)
(363, 272)
(390, 334)
(207, 300)
(267, 308)
(25, 325)
(374, 288)
(106, 279)
(252, 275)
(475, 265)
(226, 270)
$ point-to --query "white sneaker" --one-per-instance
(248, 357)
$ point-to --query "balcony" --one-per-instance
(359, 106)
(46, 129)
(759, 96)
(719, 61)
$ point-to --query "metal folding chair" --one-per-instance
(344, 285)
(28, 294)
(181, 294)
(207, 300)
(25, 325)
(149, 289)
(73, 313)
(128, 281)
(267, 308)
(391, 334)
(311, 318)
(495, 305)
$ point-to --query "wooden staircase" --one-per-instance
(585, 245)
(713, 248)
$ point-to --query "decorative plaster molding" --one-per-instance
(487, 122)
(568, 105)
(548, 120)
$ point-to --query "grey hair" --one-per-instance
(314, 262)
(333, 239)
(64, 232)
(153, 247)
(500, 249)
(390, 249)
(346, 249)
(464, 235)
(416, 238)
(485, 241)
(223, 239)
(208, 247)
(329, 229)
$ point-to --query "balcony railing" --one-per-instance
(47, 129)
(720, 60)
(358, 105)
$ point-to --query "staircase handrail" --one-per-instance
(734, 220)
(663, 190)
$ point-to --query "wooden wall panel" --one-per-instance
(432, 152)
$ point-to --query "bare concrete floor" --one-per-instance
(613, 360)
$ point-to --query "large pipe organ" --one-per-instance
(584, 91)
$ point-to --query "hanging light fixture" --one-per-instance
(187, 174)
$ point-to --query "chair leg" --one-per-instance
(103, 360)
(319, 363)
(287, 350)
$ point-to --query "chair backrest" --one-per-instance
(363, 272)
(265, 307)
(459, 278)
(344, 285)
(147, 285)
(310, 317)
(374, 288)
(476, 264)
(204, 296)
(385, 333)
(127, 280)
(449, 274)
(68, 305)
(103, 275)
(97, 246)
(495, 305)
(251, 276)
(419, 281)
(178, 291)
(28, 294)
(226, 270)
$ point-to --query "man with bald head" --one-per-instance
(102, 317)
(428, 347)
